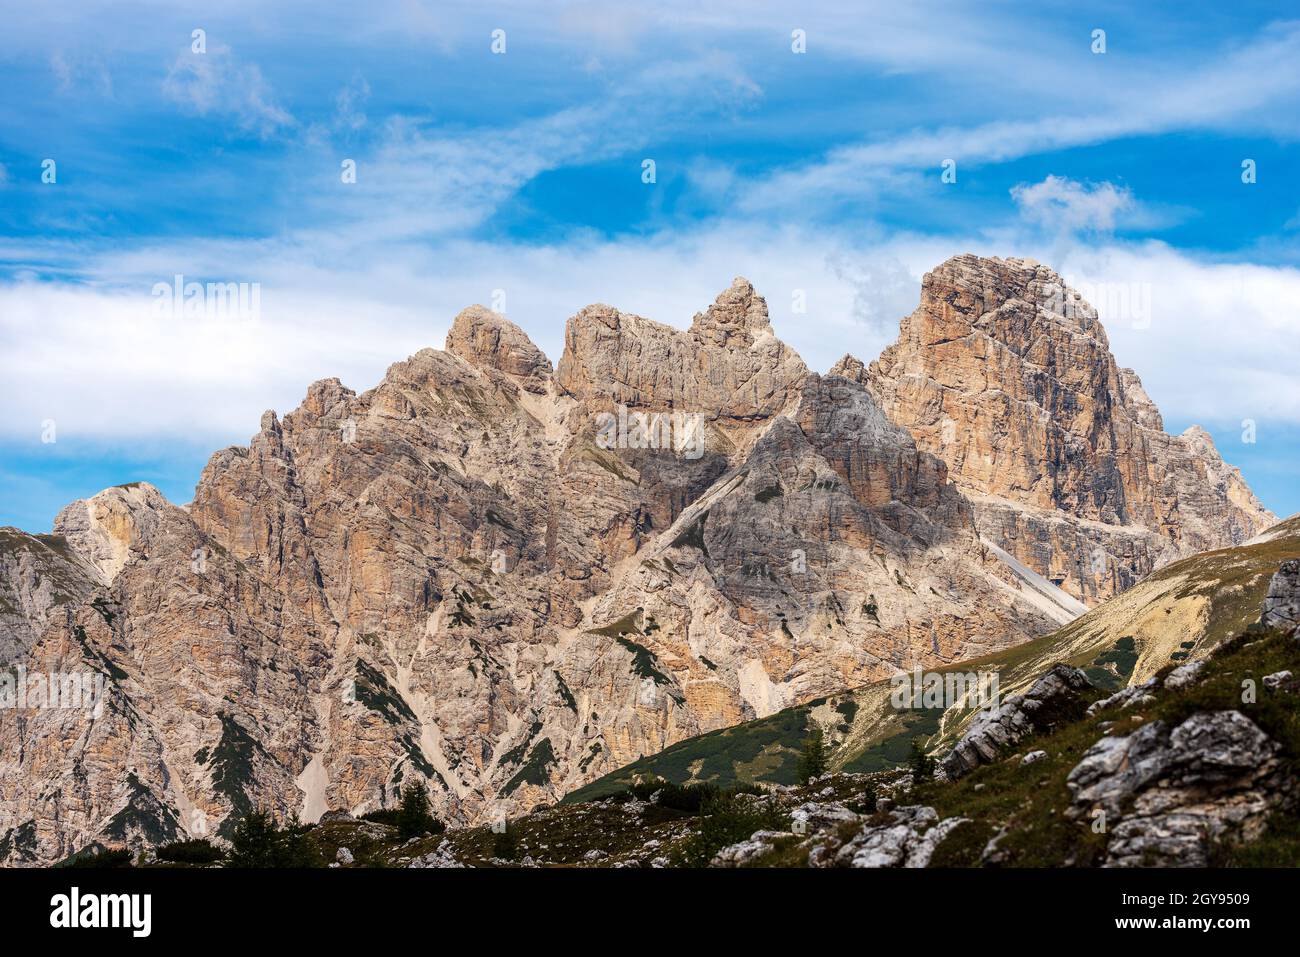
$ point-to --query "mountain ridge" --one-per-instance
(451, 576)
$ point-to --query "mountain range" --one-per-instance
(509, 579)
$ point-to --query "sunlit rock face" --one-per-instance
(1005, 374)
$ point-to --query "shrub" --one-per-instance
(866, 804)
(921, 764)
(383, 815)
(98, 857)
(198, 851)
(505, 843)
(726, 820)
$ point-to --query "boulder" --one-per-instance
(992, 732)
(441, 857)
(1277, 680)
(756, 846)
(909, 841)
(1168, 796)
(1127, 697)
(1183, 675)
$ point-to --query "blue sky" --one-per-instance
(521, 173)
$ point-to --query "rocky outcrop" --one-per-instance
(1166, 797)
(488, 340)
(830, 835)
(759, 844)
(1130, 697)
(1005, 373)
(1056, 696)
(1282, 604)
(909, 841)
(442, 857)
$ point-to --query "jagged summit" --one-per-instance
(1006, 374)
(486, 338)
(738, 315)
(728, 366)
(110, 526)
(849, 367)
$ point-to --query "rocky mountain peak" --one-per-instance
(1006, 299)
(487, 339)
(728, 366)
(1139, 403)
(736, 318)
(1006, 374)
(114, 526)
(850, 367)
(325, 396)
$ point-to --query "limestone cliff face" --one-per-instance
(106, 528)
(728, 367)
(467, 577)
(1006, 374)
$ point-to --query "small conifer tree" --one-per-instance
(812, 760)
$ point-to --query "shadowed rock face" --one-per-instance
(1006, 374)
(462, 576)
(41, 577)
(1282, 604)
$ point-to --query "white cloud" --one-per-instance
(422, 180)
(216, 82)
(1060, 203)
(1219, 343)
(1222, 340)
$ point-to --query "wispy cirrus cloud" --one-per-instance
(418, 179)
(215, 82)
(1248, 87)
